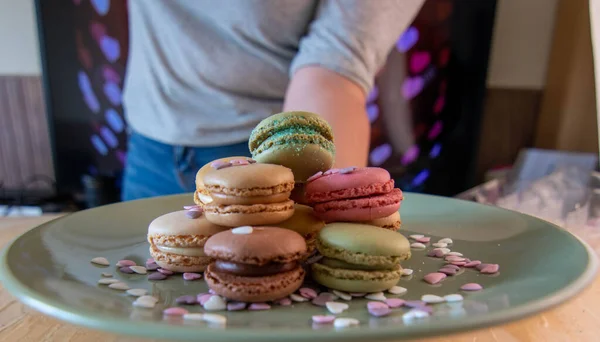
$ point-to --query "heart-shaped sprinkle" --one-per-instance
(376, 296)
(152, 267)
(315, 176)
(322, 299)
(473, 263)
(119, 286)
(490, 269)
(193, 214)
(345, 322)
(202, 298)
(165, 271)
(108, 275)
(414, 314)
(397, 290)
(107, 281)
(454, 267)
(284, 301)
(237, 162)
(214, 319)
(251, 161)
(215, 303)
(358, 294)
(191, 276)
(448, 271)
(432, 299)
(126, 270)
(219, 164)
(323, 319)
(434, 278)
(416, 236)
(335, 307)
(394, 302)
(190, 207)
(157, 276)
(458, 263)
(242, 230)
(125, 263)
(297, 298)
(446, 241)
(100, 261)
(452, 298)
(407, 271)
(380, 312)
(236, 306)
(347, 170)
(331, 172)
(342, 295)
(308, 293)
(188, 300)
(439, 244)
(145, 302)
(471, 287)
(443, 250)
(137, 292)
(175, 311)
(424, 239)
(454, 258)
(138, 269)
(259, 306)
(417, 245)
(455, 254)
(193, 316)
(376, 305)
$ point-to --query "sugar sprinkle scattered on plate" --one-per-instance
(345, 322)
(102, 261)
(397, 290)
(417, 245)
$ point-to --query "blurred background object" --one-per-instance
(442, 118)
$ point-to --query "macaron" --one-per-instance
(391, 222)
(177, 241)
(201, 195)
(305, 223)
(249, 194)
(359, 258)
(353, 194)
(302, 141)
(262, 264)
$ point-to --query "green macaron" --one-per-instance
(359, 257)
(301, 141)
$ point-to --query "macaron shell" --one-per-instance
(201, 196)
(177, 223)
(304, 220)
(360, 209)
(237, 215)
(253, 176)
(358, 183)
(304, 159)
(298, 194)
(263, 245)
(254, 289)
(179, 263)
(354, 281)
(222, 199)
(391, 222)
(364, 239)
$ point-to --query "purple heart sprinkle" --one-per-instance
(454, 267)
(395, 302)
(126, 270)
(347, 170)
(164, 271)
(236, 306)
(308, 293)
(448, 271)
(432, 253)
(473, 263)
(415, 303)
(188, 300)
(202, 299)
(125, 263)
(259, 306)
(323, 319)
(175, 311)
(376, 305)
(490, 269)
(189, 207)
(331, 172)
(157, 276)
(284, 301)
(191, 276)
(211, 291)
(315, 176)
(193, 214)
(152, 267)
(471, 287)
(380, 312)
(434, 278)
(321, 299)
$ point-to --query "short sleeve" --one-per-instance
(354, 37)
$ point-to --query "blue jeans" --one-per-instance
(156, 169)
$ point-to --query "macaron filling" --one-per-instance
(248, 270)
(295, 136)
(289, 125)
(187, 251)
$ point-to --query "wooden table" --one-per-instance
(576, 320)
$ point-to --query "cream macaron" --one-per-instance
(201, 195)
(177, 241)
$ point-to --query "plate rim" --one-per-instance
(62, 312)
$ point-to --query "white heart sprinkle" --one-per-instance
(215, 303)
(376, 296)
(119, 286)
(453, 298)
(107, 281)
(439, 244)
(242, 230)
(297, 298)
(407, 271)
(107, 275)
(416, 236)
(446, 240)
(145, 302)
(345, 322)
(397, 290)
(432, 299)
(193, 316)
(342, 295)
(413, 314)
(100, 261)
(336, 308)
(214, 318)
(444, 250)
(138, 269)
(417, 245)
(455, 254)
(148, 298)
(137, 292)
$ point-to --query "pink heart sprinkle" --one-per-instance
(415, 303)
(439, 253)
(165, 272)
(358, 294)
(434, 278)
(419, 60)
(239, 162)
(458, 263)
(125, 263)
(202, 299)
(220, 165)
(175, 311)
(380, 312)
(394, 302)
(323, 319)
(198, 209)
(473, 263)
(376, 305)
(471, 287)
(308, 293)
(259, 306)
(424, 239)
(193, 214)
(191, 276)
(448, 271)
(454, 258)
(490, 269)
(284, 301)
(454, 267)
(315, 176)
(347, 170)
(331, 172)
(188, 207)
(236, 306)
(251, 161)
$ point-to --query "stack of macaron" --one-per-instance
(362, 195)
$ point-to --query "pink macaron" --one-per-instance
(356, 194)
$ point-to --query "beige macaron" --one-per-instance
(177, 241)
(391, 222)
(305, 223)
(201, 195)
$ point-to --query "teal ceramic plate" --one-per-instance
(541, 265)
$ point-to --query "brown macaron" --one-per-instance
(251, 194)
(391, 222)
(177, 241)
(255, 264)
(201, 195)
(305, 223)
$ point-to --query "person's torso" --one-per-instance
(204, 72)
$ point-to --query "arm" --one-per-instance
(340, 102)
